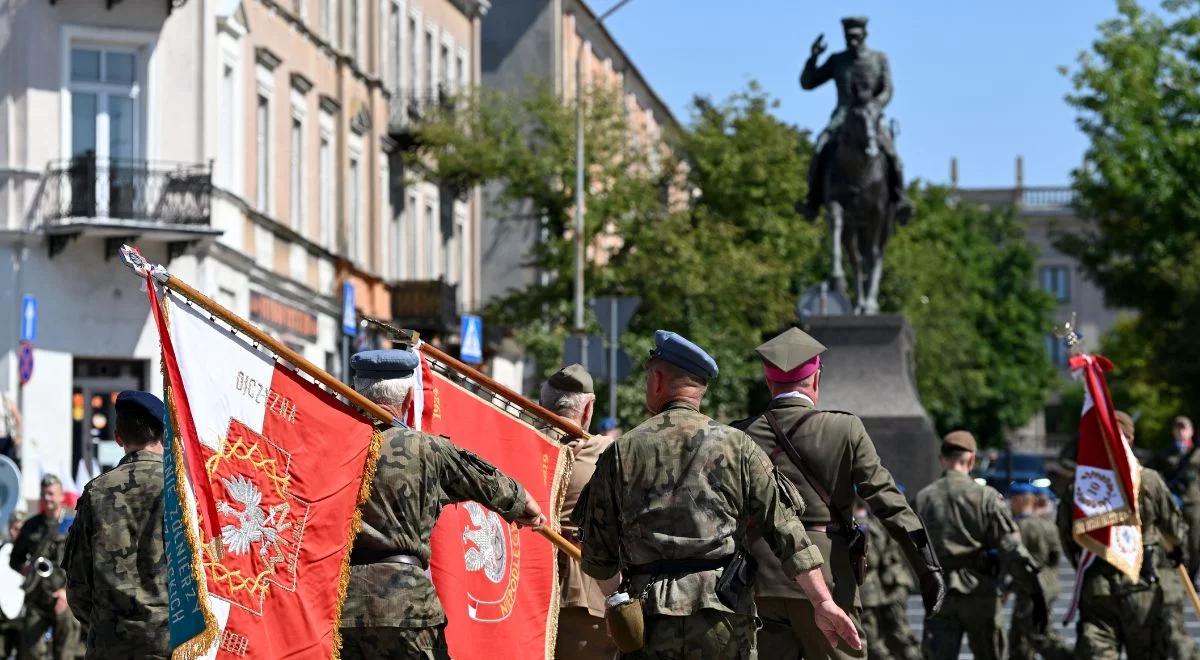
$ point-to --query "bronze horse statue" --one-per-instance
(857, 204)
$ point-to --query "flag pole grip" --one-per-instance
(571, 549)
(216, 309)
(558, 421)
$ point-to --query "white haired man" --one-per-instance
(570, 393)
(391, 609)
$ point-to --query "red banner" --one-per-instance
(497, 582)
(1107, 479)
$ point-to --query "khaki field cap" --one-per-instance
(572, 378)
(1125, 422)
(960, 440)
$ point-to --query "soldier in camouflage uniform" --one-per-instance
(570, 392)
(115, 559)
(833, 460)
(1040, 538)
(669, 507)
(1144, 618)
(391, 609)
(1179, 466)
(884, 595)
(977, 542)
(37, 550)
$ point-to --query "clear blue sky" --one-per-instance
(976, 80)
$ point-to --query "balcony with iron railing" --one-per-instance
(410, 106)
(426, 305)
(123, 198)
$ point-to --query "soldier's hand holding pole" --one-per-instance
(532, 516)
(830, 618)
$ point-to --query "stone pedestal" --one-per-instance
(868, 370)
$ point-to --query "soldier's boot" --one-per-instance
(899, 196)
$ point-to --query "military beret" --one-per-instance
(791, 356)
(134, 401)
(1022, 488)
(850, 22)
(607, 424)
(1125, 423)
(679, 351)
(384, 363)
(572, 378)
(960, 440)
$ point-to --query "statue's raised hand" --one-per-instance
(818, 45)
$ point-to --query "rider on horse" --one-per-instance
(855, 70)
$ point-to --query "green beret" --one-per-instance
(572, 378)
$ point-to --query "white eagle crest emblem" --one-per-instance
(255, 524)
(488, 534)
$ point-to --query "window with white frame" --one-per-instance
(262, 153)
(394, 46)
(444, 81)
(297, 172)
(433, 242)
(1056, 280)
(105, 114)
(410, 237)
(226, 150)
(460, 69)
(413, 60)
(325, 181)
(356, 207)
(326, 19)
(352, 28)
(429, 64)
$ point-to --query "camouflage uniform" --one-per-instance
(683, 487)
(115, 561)
(884, 596)
(1116, 614)
(839, 453)
(581, 631)
(42, 537)
(976, 540)
(391, 609)
(1040, 538)
(1181, 470)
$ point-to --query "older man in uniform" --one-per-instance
(670, 505)
(569, 392)
(830, 458)
(1040, 538)
(1179, 465)
(115, 561)
(36, 554)
(391, 609)
(977, 542)
(1144, 618)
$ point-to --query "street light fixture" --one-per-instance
(579, 181)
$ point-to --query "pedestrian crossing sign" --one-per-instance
(471, 351)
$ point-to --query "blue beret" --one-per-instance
(607, 424)
(671, 347)
(386, 363)
(1022, 488)
(133, 401)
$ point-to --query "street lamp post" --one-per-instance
(580, 245)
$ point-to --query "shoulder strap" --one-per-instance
(785, 443)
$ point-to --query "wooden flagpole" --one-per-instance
(139, 264)
(1190, 588)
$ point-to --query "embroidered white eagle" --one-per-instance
(487, 533)
(256, 525)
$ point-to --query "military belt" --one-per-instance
(364, 557)
(678, 566)
(827, 527)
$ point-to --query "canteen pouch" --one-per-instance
(737, 579)
(858, 553)
(625, 623)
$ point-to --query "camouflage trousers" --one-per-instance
(64, 641)
(888, 634)
(1025, 643)
(975, 615)
(789, 631)
(705, 635)
(1136, 621)
(582, 636)
(395, 643)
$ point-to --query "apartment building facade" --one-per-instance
(246, 144)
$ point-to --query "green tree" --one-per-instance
(1137, 93)
(964, 277)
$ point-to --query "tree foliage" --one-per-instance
(1137, 93)
(964, 277)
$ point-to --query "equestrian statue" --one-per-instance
(855, 172)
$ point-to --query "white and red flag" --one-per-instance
(497, 582)
(1104, 511)
(264, 473)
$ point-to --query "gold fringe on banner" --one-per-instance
(364, 492)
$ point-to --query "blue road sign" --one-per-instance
(25, 362)
(349, 313)
(29, 318)
(472, 339)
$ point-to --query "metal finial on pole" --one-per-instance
(1069, 332)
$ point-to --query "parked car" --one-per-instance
(998, 468)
